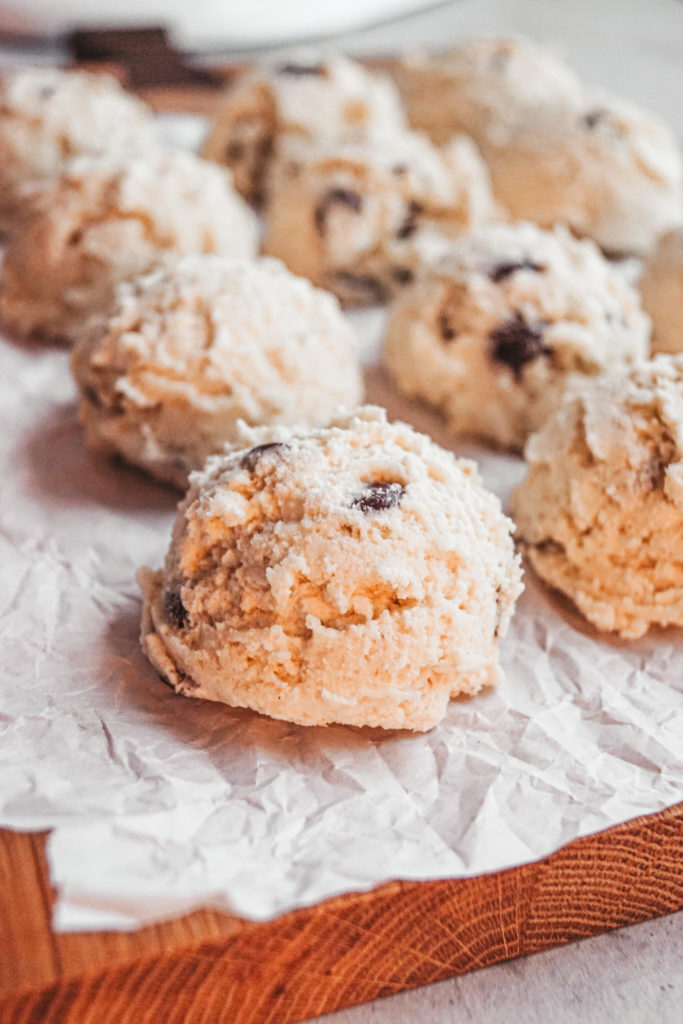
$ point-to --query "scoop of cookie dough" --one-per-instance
(557, 151)
(304, 95)
(661, 287)
(359, 218)
(483, 88)
(600, 512)
(105, 221)
(356, 573)
(186, 351)
(610, 170)
(48, 116)
(494, 331)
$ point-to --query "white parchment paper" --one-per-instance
(160, 803)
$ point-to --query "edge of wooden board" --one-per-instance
(347, 950)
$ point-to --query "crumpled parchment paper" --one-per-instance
(160, 803)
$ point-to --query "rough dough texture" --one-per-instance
(307, 96)
(48, 116)
(105, 221)
(558, 152)
(360, 218)
(661, 287)
(494, 332)
(600, 512)
(355, 574)
(187, 351)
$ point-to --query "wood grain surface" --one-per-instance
(208, 968)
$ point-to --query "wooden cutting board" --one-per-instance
(209, 968)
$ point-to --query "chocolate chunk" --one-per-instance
(174, 609)
(300, 70)
(448, 331)
(594, 117)
(515, 343)
(402, 275)
(368, 289)
(378, 497)
(399, 169)
(336, 197)
(250, 458)
(503, 270)
(410, 224)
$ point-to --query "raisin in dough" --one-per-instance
(600, 512)
(493, 332)
(186, 351)
(360, 218)
(48, 116)
(306, 96)
(558, 151)
(104, 222)
(356, 574)
(661, 287)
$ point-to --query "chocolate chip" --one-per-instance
(594, 117)
(402, 275)
(448, 331)
(336, 197)
(369, 290)
(399, 169)
(410, 223)
(378, 497)
(654, 472)
(503, 270)
(174, 609)
(91, 396)
(300, 70)
(516, 343)
(250, 458)
(234, 151)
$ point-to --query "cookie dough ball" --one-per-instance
(187, 351)
(610, 170)
(661, 287)
(48, 116)
(557, 151)
(105, 222)
(306, 96)
(483, 88)
(600, 513)
(494, 332)
(356, 574)
(358, 219)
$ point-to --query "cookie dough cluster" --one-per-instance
(360, 219)
(496, 330)
(189, 351)
(557, 150)
(326, 565)
(600, 512)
